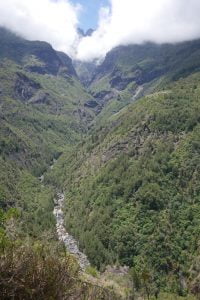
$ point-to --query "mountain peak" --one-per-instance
(83, 33)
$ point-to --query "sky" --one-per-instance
(90, 11)
(116, 22)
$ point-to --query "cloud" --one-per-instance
(54, 21)
(137, 21)
(121, 23)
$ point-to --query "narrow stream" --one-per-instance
(70, 243)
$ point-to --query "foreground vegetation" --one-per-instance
(35, 269)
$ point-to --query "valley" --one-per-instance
(122, 190)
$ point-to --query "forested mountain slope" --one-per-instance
(41, 112)
(130, 172)
(133, 191)
(129, 72)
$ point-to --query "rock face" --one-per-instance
(91, 104)
(104, 96)
(142, 64)
(84, 71)
(67, 66)
(89, 32)
(35, 56)
(47, 60)
(70, 243)
(83, 33)
(25, 88)
(119, 82)
(40, 97)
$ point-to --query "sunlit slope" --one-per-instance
(132, 189)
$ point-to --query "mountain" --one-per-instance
(129, 72)
(132, 189)
(120, 141)
(38, 57)
(89, 32)
(42, 112)
(83, 33)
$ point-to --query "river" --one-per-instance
(69, 241)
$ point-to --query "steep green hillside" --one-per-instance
(133, 193)
(129, 72)
(130, 176)
(42, 113)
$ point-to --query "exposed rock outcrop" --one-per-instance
(25, 88)
(91, 104)
(35, 56)
(40, 97)
(104, 96)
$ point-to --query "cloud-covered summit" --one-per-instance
(124, 22)
(133, 21)
(53, 21)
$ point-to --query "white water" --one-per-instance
(137, 92)
(70, 243)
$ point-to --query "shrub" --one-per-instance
(37, 271)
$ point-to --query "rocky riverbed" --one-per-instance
(70, 243)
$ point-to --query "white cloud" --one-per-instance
(136, 21)
(54, 21)
(125, 22)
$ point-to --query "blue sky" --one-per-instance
(89, 15)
